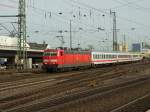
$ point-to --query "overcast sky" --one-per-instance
(46, 17)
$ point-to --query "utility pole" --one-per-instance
(22, 48)
(70, 34)
(124, 39)
(115, 44)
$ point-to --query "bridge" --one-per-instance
(11, 51)
(8, 51)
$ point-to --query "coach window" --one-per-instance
(93, 56)
(110, 56)
(100, 56)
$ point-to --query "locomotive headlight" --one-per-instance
(53, 60)
(45, 60)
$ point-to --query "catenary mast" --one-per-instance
(22, 50)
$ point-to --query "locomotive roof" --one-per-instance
(70, 51)
(123, 53)
(76, 51)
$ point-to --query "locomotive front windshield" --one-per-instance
(50, 54)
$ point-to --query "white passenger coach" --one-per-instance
(106, 58)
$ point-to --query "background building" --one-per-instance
(136, 47)
(123, 47)
(10, 42)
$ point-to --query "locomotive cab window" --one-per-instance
(50, 54)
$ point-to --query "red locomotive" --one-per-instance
(58, 59)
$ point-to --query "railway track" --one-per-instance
(83, 97)
(44, 77)
(57, 103)
(13, 76)
(73, 83)
(67, 85)
(33, 81)
(133, 105)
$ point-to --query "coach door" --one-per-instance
(62, 58)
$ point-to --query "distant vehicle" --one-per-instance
(2, 67)
(57, 59)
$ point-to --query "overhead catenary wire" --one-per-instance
(63, 18)
(124, 4)
(102, 11)
(133, 5)
(108, 13)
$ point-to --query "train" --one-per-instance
(60, 59)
